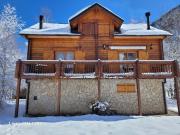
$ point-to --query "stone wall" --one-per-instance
(77, 94)
(123, 103)
(152, 99)
(45, 90)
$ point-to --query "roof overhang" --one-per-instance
(29, 36)
(77, 15)
(140, 36)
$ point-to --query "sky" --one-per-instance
(61, 10)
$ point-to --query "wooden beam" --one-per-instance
(138, 37)
(18, 76)
(27, 97)
(58, 96)
(99, 77)
(177, 94)
(96, 42)
(29, 49)
(58, 74)
(53, 36)
(103, 62)
(164, 97)
(138, 88)
(177, 89)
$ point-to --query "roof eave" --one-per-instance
(27, 36)
(96, 4)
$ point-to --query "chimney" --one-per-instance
(41, 19)
(148, 21)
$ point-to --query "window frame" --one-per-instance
(126, 54)
(65, 54)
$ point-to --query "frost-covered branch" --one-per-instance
(10, 24)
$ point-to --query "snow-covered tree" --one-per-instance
(10, 24)
(170, 22)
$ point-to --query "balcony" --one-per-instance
(97, 69)
(104, 69)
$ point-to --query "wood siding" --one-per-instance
(86, 46)
(96, 27)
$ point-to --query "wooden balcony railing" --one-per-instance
(145, 69)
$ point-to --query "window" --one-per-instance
(68, 68)
(65, 55)
(128, 88)
(127, 56)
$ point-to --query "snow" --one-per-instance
(39, 74)
(117, 75)
(156, 60)
(49, 29)
(78, 75)
(64, 29)
(82, 75)
(87, 7)
(158, 73)
(140, 29)
(80, 11)
(171, 104)
(85, 124)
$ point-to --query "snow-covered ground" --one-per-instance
(86, 124)
(171, 104)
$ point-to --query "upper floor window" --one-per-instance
(128, 56)
(68, 68)
(65, 55)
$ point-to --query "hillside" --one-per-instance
(171, 22)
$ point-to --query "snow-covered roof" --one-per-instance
(64, 29)
(92, 5)
(49, 29)
(140, 29)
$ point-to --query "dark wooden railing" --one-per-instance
(145, 69)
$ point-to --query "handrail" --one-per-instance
(146, 69)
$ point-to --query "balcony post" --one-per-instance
(176, 79)
(138, 87)
(58, 77)
(18, 86)
(99, 73)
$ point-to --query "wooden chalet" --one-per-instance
(96, 56)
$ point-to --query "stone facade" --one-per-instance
(123, 103)
(77, 94)
(152, 99)
(42, 97)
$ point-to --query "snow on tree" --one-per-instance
(10, 24)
